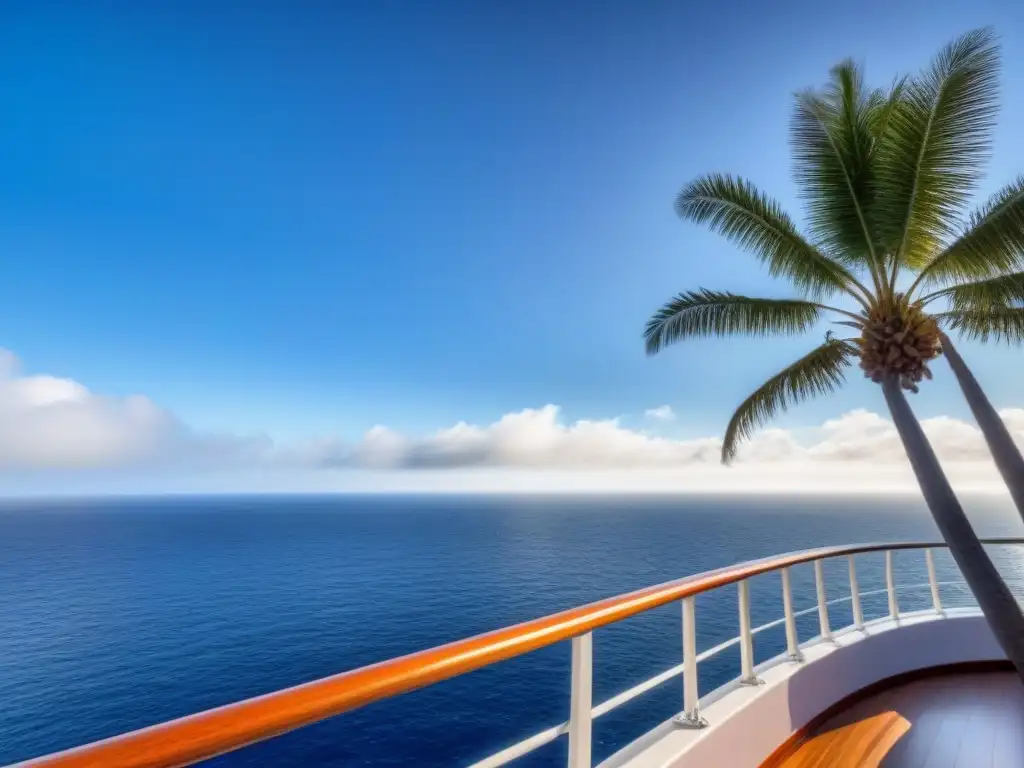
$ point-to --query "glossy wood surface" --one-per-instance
(950, 721)
(188, 740)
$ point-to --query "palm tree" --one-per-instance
(883, 173)
(1007, 456)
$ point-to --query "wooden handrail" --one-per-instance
(207, 734)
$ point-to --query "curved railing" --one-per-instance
(201, 736)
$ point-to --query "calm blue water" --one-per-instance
(119, 614)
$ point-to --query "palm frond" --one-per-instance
(1004, 324)
(992, 243)
(858, 326)
(882, 107)
(701, 313)
(831, 134)
(996, 292)
(939, 137)
(736, 209)
(820, 372)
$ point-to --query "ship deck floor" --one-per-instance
(951, 721)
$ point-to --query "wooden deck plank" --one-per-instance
(956, 721)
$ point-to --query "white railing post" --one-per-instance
(819, 583)
(792, 639)
(934, 582)
(747, 676)
(858, 612)
(890, 587)
(690, 717)
(580, 700)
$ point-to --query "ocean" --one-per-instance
(117, 614)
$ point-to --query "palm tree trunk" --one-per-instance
(994, 598)
(1004, 450)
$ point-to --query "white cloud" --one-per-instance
(529, 439)
(539, 439)
(49, 422)
(53, 424)
(661, 413)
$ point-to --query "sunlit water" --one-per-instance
(117, 615)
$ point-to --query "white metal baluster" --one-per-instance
(690, 718)
(858, 613)
(792, 639)
(580, 701)
(890, 586)
(936, 598)
(819, 582)
(747, 676)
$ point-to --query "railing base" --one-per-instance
(797, 658)
(690, 720)
(753, 681)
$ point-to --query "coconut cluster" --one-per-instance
(899, 340)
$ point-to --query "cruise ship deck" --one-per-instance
(973, 720)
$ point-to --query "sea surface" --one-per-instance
(117, 614)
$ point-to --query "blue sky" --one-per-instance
(313, 221)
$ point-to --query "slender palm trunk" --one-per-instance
(994, 598)
(1004, 450)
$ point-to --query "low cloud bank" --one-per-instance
(539, 439)
(50, 423)
(54, 423)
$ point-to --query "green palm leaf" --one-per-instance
(996, 292)
(738, 210)
(820, 372)
(992, 243)
(885, 174)
(882, 107)
(832, 139)
(694, 314)
(938, 139)
(996, 324)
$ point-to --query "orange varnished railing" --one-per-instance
(201, 736)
